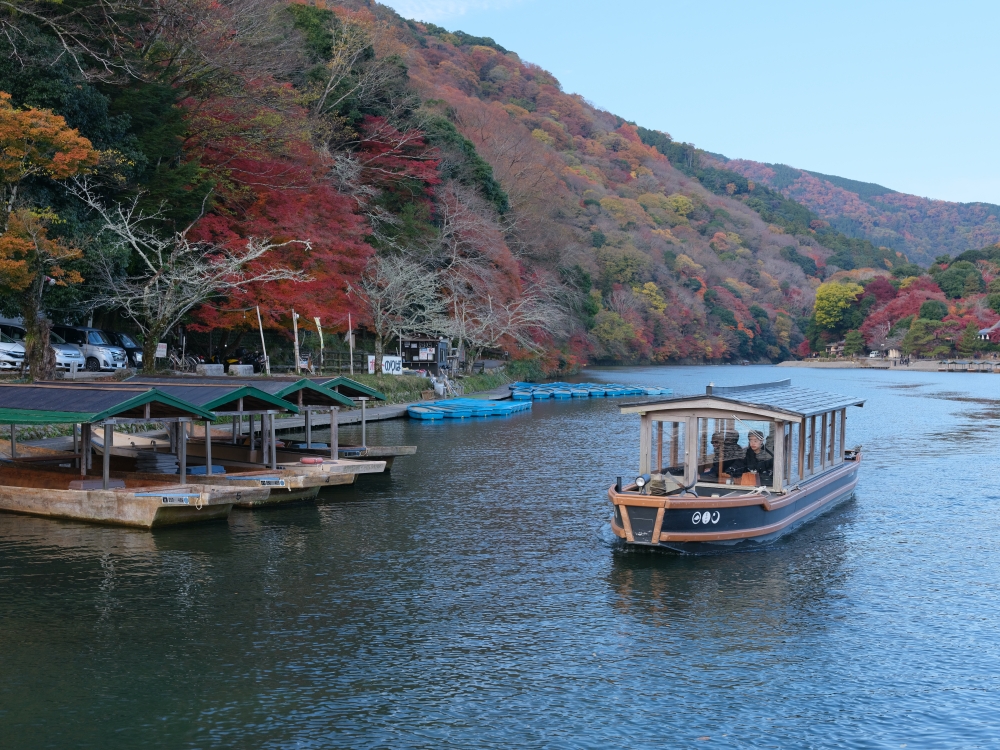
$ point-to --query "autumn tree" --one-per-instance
(832, 302)
(35, 144)
(399, 297)
(157, 278)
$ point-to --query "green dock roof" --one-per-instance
(54, 403)
(349, 388)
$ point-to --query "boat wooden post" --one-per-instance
(802, 450)
(690, 450)
(777, 467)
(722, 448)
(833, 438)
(822, 442)
(843, 418)
(812, 445)
(252, 435)
(704, 444)
(659, 446)
(109, 436)
(334, 432)
(208, 448)
(675, 443)
(309, 430)
(182, 452)
(645, 443)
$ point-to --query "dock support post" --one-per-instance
(182, 450)
(75, 446)
(109, 437)
(334, 432)
(252, 435)
(274, 443)
(237, 425)
(13, 441)
(208, 448)
(309, 427)
(364, 442)
(84, 448)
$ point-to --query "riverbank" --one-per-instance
(921, 365)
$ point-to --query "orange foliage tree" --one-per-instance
(35, 143)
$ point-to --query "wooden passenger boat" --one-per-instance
(695, 494)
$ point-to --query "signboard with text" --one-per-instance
(392, 365)
(371, 364)
(161, 350)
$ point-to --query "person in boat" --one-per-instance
(758, 457)
(727, 444)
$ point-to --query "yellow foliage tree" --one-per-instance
(832, 300)
(627, 212)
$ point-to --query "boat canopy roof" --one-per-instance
(350, 388)
(221, 397)
(55, 403)
(777, 400)
(313, 394)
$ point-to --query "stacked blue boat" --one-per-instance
(465, 408)
(564, 391)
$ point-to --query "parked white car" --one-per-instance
(67, 355)
(11, 353)
(98, 351)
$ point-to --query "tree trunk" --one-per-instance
(149, 351)
(39, 357)
(378, 352)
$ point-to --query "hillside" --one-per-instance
(421, 180)
(920, 228)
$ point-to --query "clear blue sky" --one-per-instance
(899, 93)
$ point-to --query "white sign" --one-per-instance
(392, 365)
(161, 350)
(371, 364)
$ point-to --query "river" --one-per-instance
(476, 598)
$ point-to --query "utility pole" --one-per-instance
(295, 329)
(263, 346)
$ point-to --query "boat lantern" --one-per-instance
(642, 480)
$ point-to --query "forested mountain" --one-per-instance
(920, 228)
(335, 158)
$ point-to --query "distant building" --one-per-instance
(835, 350)
(990, 334)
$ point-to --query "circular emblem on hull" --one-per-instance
(705, 517)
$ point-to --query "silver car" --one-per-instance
(98, 351)
(67, 355)
(11, 353)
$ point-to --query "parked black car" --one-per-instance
(129, 344)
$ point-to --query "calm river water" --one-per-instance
(476, 599)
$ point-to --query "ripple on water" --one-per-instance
(476, 598)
